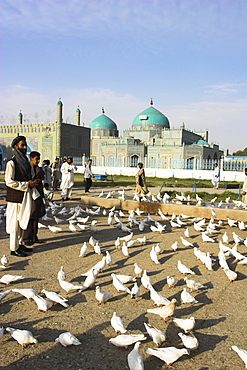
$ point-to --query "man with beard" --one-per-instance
(20, 192)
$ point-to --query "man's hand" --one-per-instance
(33, 183)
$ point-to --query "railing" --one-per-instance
(161, 163)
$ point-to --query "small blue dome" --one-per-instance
(103, 123)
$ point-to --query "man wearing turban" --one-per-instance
(20, 192)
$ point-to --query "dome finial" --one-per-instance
(151, 102)
(103, 111)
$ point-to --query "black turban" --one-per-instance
(17, 139)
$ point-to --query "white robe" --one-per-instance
(67, 177)
(17, 211)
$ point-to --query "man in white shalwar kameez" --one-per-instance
(20, 190)
(244, 191)
(216, 176)
(68, 169)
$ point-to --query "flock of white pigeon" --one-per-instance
(80, 220)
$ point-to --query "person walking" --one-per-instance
(20, 191)
(88, 175)
(216, 176)
(244, 191)
(68, 169)
(141, 185)
(56, 173)
(47, 172)
(30, 235)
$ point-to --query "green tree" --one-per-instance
(240, 152)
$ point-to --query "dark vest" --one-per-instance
(13, 195)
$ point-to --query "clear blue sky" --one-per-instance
(190, 56)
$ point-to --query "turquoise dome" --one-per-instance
(59, 102)
(103, 123)
(151, 116)
(202, 143)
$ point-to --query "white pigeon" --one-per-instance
(158, 228)
(189, 342)
(67, 286)
(83, 219)
(27, 293)
(125, 340)
(193, 285)
(183, 269)
(126, 278)
(242, 354)
(4, 294)
(57, 220)
(174, 246)
(117, 324)
(158, 299)
(118, 284)
(54, 229)
(164, 311)
(125, 250)
(23, 337)
(225, 238)
(142, 240)
(169, 354)
(162, 215)
(67, 339)
(186, 243)
(137, 270)
(171, 281)
(127, 237)
(154, 256)
(158, 248)
(207, 239)
(102, 297)
(83, 227)
(40, 225)
(84, 250)
(157, 335)
(90, 279)
(237, 238)
(187, 233)
(198, 227)
(61, 274)
(108, 259)
(241, 225)
(145, 279)
(186, 297)
(97, 248)
(222, 260)
(4, 260)
(208, 262)
(7, 279)
(43, 304)
(186, 324)
(117, 243)
(231, 222)
(232, 275)
(135, 360)
(135, 291)
(56, 298)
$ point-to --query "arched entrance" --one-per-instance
(134, 160)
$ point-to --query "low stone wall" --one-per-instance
(152, 208)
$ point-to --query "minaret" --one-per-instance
(78, 116)
(20, 118)
(59, 111)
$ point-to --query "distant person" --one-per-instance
(30, 235)
(20, 190)
(88, 175)
(47, 171)
(216, 176)
(68, 169)
(141, 185)
(56, 174)
(244, 191)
